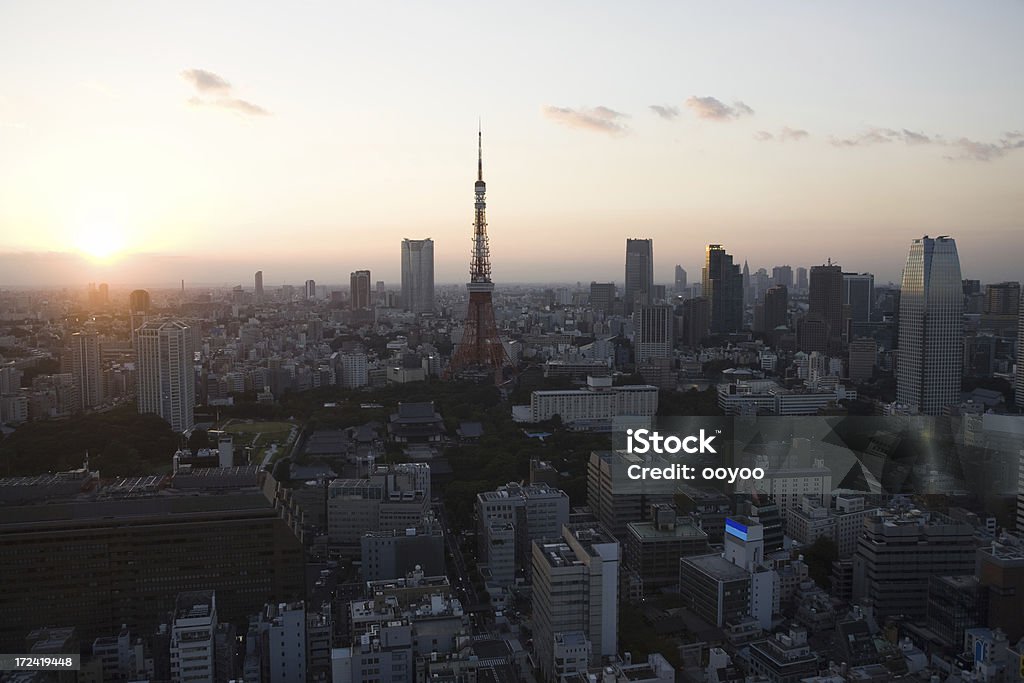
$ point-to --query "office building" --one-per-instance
(575, 588)
(517, 513)
(593, 407)
(776, 308)
(359, 290)
(87, 369)
(639, 273)
(652, 549)
(258, 282)
(166, 374)
(652, 338)
(1018, 393)
(392, 498)
(863, 355)
(1000, 570)
(153, 539)
(714, 589)
(696, 321)
(192, 637)
(680, 280)
(899, 550)
(281, 632)
(394, 553)
(801, 279)
(310, 289)
(139, 301)
(1002, 298)
(825, 302)
(784, 658)
(722, 284)
(782, 276)
(602, 296)
(929, 366)
(418, 275)
(606, 499)
(859, 294)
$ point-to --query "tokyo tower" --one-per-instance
(479, 352)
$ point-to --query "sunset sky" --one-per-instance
(145, 142)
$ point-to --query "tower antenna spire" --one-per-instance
(479, 151)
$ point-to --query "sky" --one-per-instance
(142, 143)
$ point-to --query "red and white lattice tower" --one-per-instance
(480, 350)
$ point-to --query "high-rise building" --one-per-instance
(776, 308)
(929, 364)
(748, 287)
(653, 333)
(1018, 377)
(259, 285)
(696, 320)
(858, 294)
(418, 275)
(825, 301)
(165, 372)
(480, 350)
(87, 369)
(310, 289)
(104, 293)
(680, 280)
(602, 296)
(575, 590)
(359, 290)
(639, 273)
(782, 275)
(1002, 298)
(139, 301)
(722, 284)
(801, 279)
(863, 356)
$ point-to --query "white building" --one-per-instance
(87, 369)
(418, 275)
(599, 403)
(354, 370)
(165, 371)
(192, 637)
(282, 632)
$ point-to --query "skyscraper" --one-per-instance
(1018, 381)
(825, 301)
(310, 289)
(602, 296)
(418, 275)
(639, 272)
(139, 301)
(776, 308)
(696, 320)
(480, 348)
(930, 357)
(782, 275)
(858, 294)
(653, 338)
(722, 284)
(87, 369)
(359, 289)
(166, 375)
(680, 279)
(801, 279)
(259, 285)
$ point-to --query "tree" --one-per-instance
(198, 439)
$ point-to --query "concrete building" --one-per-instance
(652, 549)
(863, 355)
(418, 276)
(360, 290)
(1000, 570)
(87, 369)
(900, 550)
(722, 284)
(766, 397)
(394, 553)
(784, 658)
(602, 297)
(393, 498)
(281, 629)
(605, 498)
(714, 589)
(575, 589)
(652, 338)
(192, 637)
(639, 273)
(595, 406)
(532, 511)
(166, 372)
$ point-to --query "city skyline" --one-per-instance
(193, 153)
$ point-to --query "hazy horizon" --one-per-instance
(140, 145)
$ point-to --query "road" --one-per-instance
(458, 571)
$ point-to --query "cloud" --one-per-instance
(666, 112)
(716, 110)
(877, 136)
(787, 134)
(972, 150)
(597, 119)
(213, 90)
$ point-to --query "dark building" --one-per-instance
(858, 294)
(955, 604)
(696, 321)
(723, 286)
(776, 308)
(652, 549)
(359, 292)
(825, 301)
(1002, 298)
(680, 279)
(812, 334)
(602, 296)
(139, 301)
(416, 423)
(1001, 571)
(121, 555)
(782, 276)
(639, 273)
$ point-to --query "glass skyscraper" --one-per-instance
(418, 275)
(930, 358)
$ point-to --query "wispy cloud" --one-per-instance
(664, 111)
(787, 134)
(972, 150)
(213, 90)
(597, 119)
(716, 110)
(879, 136)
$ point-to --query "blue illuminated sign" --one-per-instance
(736, 529)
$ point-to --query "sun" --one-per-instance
(100, 240)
